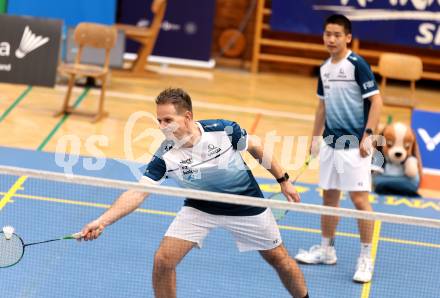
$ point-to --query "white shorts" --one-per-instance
(256, 232)
(345, 169)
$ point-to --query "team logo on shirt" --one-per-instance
(189, 173)
(186, 161)
(342, 74)
(213, 150)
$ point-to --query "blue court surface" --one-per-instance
(119, 263)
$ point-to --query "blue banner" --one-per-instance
(426, 125)
(410, 22)
(186, 29)
(71, 11)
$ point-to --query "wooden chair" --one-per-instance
(96, 36)
(400, 67)
(145, 36)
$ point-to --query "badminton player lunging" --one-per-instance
(205, 155)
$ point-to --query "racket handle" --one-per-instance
(74, 236)
(77, 235)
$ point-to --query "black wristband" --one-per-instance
(284, 178)
(369, 131)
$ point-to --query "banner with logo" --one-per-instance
(186, 29)
(426, 125)
(409, 22)
(29, 50)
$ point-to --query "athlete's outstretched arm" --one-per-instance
(125, 204)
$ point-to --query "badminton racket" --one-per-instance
(12, 247)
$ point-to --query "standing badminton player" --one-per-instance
(205, 155)
(348, 112)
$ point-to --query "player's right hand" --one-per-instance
(92, 230)
(366, 146)
(290, 192)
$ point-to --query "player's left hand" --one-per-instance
(366, 146)
(289, 191)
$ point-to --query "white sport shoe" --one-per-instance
(317, 255)
(364, 270)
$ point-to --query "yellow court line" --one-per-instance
(409, 242)
(374, 245)
(168, 213)
(11, 192)
(90, 204)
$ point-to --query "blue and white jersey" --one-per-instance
(345, 87)
(214, 163)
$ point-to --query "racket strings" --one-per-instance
(11, 250)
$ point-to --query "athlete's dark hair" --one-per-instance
(341, 20)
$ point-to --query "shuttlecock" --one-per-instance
(29, 42)
(8, 231)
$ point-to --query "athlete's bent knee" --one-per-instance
(162, 262)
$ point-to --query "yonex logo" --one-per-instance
(430, 143)
(29, 42)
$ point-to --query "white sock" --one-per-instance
(326, 242)
(366, 250)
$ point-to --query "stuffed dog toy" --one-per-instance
(401, 167)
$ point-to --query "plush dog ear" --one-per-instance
(380, 129)
(416, 152)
